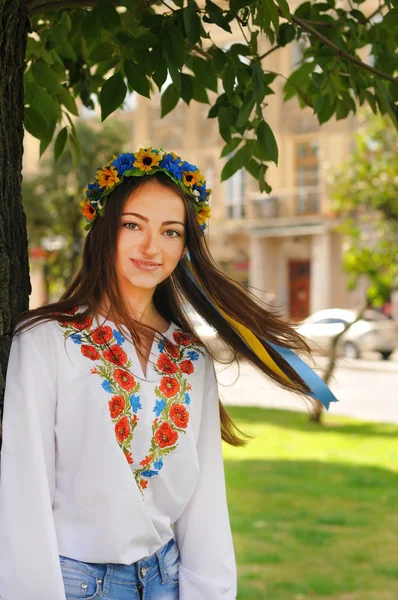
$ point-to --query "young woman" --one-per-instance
(112, 481)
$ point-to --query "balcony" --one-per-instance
(266, 208)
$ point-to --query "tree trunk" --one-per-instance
(14, 264)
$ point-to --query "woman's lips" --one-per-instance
(145, 266)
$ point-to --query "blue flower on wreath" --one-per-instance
(159, 407)
(158, 464)
(186, 166)
(171, 164)
(76, 338)
(123, 162)
(187, 398)
(107, 386)
(203, 227)
(118, 337)
(94, 190)
(193, 355)
(135, 402)
(149, 473)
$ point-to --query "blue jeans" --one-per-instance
(153, 578)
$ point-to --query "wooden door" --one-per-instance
(299, 289)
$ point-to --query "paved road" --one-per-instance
(366, 389)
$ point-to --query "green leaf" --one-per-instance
(173, 44)
(231, 147)
(228, 79)
(253, 167)
(246, 108)
(137, 78)
(68, 101)
(60, 142)
(225, 122)
(285, 10)
(267, 141)
(238, 4)
(160, 76)
(264, 187)
(42, 102)
(273, 13)
(176, 77)
(199, 91)
(258, 81)
(75, 149)
(34, 123)
(112, 94)
(45, 76)
(101, 52)
(216, 16)
(108, 14)
(186, 88)
(169, 99)
(238, 161)
(286, 34)
(192, 25)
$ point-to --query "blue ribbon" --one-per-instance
(319, 390)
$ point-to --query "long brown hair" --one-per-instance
(97, 278)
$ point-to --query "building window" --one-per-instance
(307, 178)
(235, 195)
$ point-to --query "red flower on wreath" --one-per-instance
(171, 349)
(122, 429)
(187, 367)
(179, 415)
(165, 436)
(90, 352)
(85, 324)
(124, 379)
(169, 386)
(182, 339)
(102, 335)
(116, 355)
(166, 365)
(116, 406)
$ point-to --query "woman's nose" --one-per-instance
(150, 244)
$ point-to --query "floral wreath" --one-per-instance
(146, 161)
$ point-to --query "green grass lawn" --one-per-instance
(314, 509)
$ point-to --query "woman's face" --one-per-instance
(151, 238)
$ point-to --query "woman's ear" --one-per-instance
(184, 252)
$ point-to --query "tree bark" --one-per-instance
(14, 264)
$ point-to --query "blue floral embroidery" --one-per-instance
(187, 398)
(107, 386)
(159, 407)
(77, 338)
(158, 464)
(135, 402)
(149, 473)
(193, 355)
(118, 337)
(161, 345)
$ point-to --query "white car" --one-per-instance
(374, 332)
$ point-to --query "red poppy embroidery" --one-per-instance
(116, 406)
(165, 436)
(102, 335)
(166, 365)
(124, 379)
(187, 367)
(147, 460)
(143, 483)
(90, 352)
(182, 339)
(129, 456)
(116, 355)
(180, 415)
(122, 429)
(85, 324)
(169, 386)
(171, 349)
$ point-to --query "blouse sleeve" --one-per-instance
(29, 560)
(203, 531)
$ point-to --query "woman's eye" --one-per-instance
(178, 234)
(130, 225)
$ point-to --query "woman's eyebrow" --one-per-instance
(146, 219)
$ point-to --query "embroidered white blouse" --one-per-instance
(103, 464)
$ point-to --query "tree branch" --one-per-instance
(340, 52)
(268, 52)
